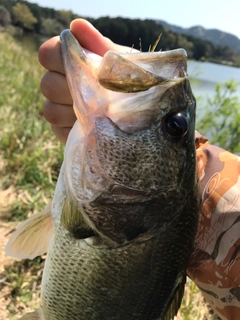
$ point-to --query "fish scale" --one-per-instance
(83, 306)
(130, 164)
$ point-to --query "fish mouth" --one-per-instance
(107, 85)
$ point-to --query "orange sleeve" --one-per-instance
(215, 263)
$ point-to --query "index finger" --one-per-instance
(49, 55)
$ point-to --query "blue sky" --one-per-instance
(211, 14)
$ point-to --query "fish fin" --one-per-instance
(32, 236)
(175, 303)
(36, 315)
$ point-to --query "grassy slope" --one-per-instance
(30, 158)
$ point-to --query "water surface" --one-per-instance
(206, 75)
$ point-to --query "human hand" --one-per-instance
(58, 108)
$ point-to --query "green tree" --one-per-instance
(23, 17)
(187, 45)
(221, 121)
(50, 27)
(5, 18)
(64, 17)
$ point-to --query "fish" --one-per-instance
(121, 226)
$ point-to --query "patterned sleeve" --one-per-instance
(215, 263)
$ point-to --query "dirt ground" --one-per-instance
(5, 297)
(6, 228)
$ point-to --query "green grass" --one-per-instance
(30, 159)
(30, 156)
(25, 285)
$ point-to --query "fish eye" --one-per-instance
(176, 125)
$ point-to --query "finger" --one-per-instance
(49, 55)
(55, 88)
(91, 39)
(59, 115)
(61, 133)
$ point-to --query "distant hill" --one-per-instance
(215, 36)
(24, 17)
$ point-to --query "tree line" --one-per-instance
(30, 17)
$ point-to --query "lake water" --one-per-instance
(206, 75)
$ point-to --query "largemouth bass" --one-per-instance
(121, 226)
